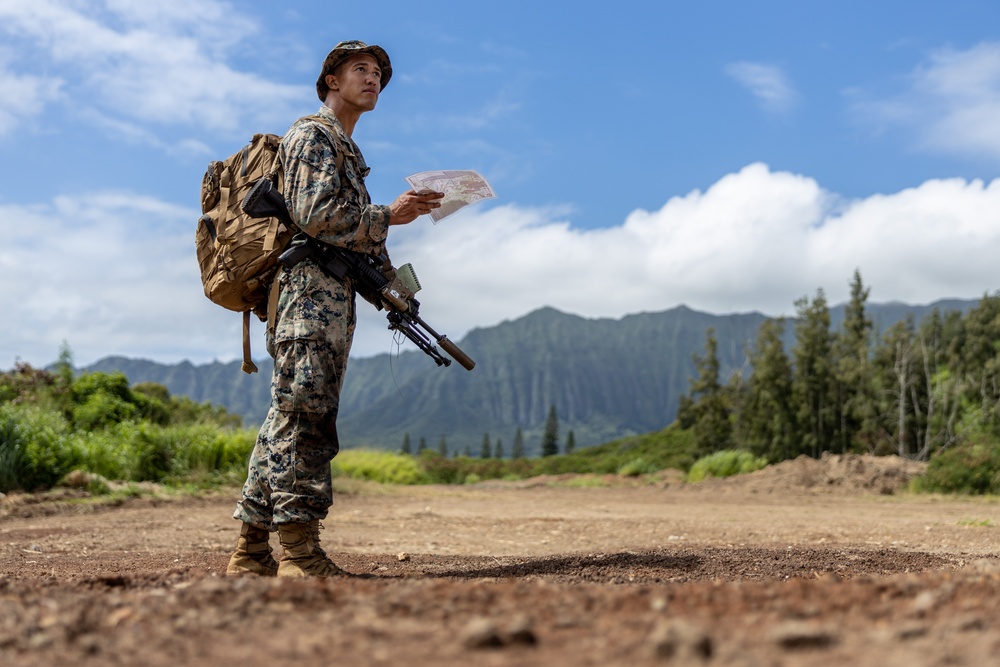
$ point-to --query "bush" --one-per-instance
(637, 467)
(13, 462)
(206, 448)
(102, 399)
(972, 468)
(34, 448)
(51, 425)
(378, 466)
(726, 463)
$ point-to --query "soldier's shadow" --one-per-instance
(599, 567)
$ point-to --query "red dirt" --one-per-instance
(806, 563)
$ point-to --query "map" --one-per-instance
(460, 189)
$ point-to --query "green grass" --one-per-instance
(976, 523)
(379, 466)
(633, 456)
(726, 463)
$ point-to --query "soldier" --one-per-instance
(288, 486)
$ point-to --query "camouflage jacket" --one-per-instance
(329, 201)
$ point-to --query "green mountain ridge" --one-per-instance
(607, 378)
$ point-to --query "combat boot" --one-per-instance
(253, 553)
(303, 557)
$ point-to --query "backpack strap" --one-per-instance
(224, 188)
(272, 298)
(325, 122)
(272, 305)
(248, 365)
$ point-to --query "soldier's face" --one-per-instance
(358, 80)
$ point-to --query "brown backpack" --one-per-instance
(238, 255)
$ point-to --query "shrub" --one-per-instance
(34, 448)
(13, 461)
(102, 399)
(972, 467)
(207, 448)
(102, 409)
(726, 463)
(25, 383)
(185, 411)
(378, 466)
(637, 467)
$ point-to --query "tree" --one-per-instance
(422, 445)
(708, 407)
(768, 414)
(943, 388)
(978, 363)
(854, 385)
(570, 442)
(897, 359)
(64, 367)
(550, 435)
(406, 448)
(813, 381)
(442, 446)
(498, 450)
(517, 451)
(485, 451)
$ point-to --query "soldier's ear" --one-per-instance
(331, 82)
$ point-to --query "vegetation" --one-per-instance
(726, 463)
(378, 466)
(915, 391)
(927, 391)
(52, 423)
(672, 447)
(972, 467)
(550, 436)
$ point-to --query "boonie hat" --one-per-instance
(345, 50)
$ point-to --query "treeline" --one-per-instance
(916, 389)
(490, 450)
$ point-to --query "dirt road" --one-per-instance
(801, 564)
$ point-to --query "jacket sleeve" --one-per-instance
(330, 206)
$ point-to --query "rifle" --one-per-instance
(395, 296)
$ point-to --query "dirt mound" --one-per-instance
(839, 474)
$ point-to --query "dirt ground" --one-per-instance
(809, 562)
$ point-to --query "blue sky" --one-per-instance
(730, 156)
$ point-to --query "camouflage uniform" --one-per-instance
(289, 471)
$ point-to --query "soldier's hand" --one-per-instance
(411, 204)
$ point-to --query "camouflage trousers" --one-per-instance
(288, 478)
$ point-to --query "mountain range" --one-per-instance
(606, 378)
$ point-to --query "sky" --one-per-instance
(728, 155)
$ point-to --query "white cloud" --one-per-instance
(116, 274)
(165, 63)
(111, 273)
(768, 83)
(23, 96)
(952, 103)
(755, 240)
